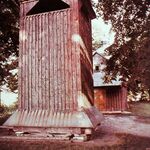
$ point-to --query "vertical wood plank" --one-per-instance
(62, 64)
(73, 50)
(46, 62)
(37, 59)
(55, 60)
(20, 75)
(66, 63)
(21, 52)
(51, 60)
(40, 63)
(25, 84)
(33, 62)
(29, 87)
(77, 58)
(58, 61)
(43, 60)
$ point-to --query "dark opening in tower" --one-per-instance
(47, 6)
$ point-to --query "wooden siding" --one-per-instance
(54, 69)
(86, 54)
(48, 70)
(110, 98)
(100, 99)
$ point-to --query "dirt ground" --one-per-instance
(117, 132)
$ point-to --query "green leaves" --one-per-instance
(130, 56)
(9, 42)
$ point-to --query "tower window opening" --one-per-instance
(47, 6)
(97, 68)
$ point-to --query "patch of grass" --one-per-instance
(140, 108)
(3, 118)
(132, 142)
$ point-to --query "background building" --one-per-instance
(107, 96)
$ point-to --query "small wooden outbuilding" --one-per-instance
(108, 97)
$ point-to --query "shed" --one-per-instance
(108, 97)
(55, 68)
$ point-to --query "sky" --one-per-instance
(100, 32)
(8, 98)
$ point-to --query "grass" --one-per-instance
(140, 108)
(3, 118)
(132, 142)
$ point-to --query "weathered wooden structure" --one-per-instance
(55, 68)
(108, 97)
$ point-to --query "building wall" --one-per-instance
(55, 62)
(99, 62)
(100, 98)
(86, 53)
(110, 98)
(48, 77)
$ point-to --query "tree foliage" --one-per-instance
(130, 53)
(9, 41)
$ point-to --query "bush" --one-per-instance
(6, 111)
(3, 109)
(13, 107)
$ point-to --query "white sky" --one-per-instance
(100, 32)
(8, 98)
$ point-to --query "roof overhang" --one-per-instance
(89, 7)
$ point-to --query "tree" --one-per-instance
(96, 45)
(130, 53)
(9, 41)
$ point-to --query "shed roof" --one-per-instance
(99, 82)
(99, 54)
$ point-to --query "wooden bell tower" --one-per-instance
(55, 68)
